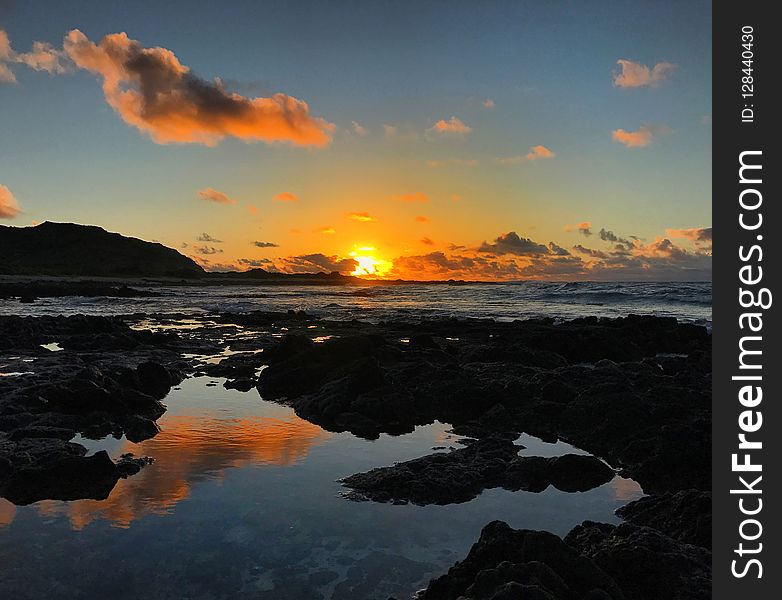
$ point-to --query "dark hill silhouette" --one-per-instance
(67, 249)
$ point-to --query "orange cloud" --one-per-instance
(6, 52)
(413, 197)
(454, 125)
(6, 74)
(513, 257)
(286, 197)
(422, 219)
(361, 216)
(659, 248)
(584, 228)
(427, 241)
(252, 209)
(9, 207)
(328, 230)
(488, 103)
(633, 74)
(696, 234)
(212, 195)
(535, 153)
(152, 91)
(315, 263)
(634, 139)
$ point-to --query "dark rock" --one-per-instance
(77, 396)
(424, 341)
(138, 428)
(43, 431)
(645, 563)
(685, 516)
(577, 473)
(63, 477)
(128, 465)
(507, 561)
(244, 384)
(155, 379)
(140, 404)
(460, 475)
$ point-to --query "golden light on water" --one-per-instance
(188, 450)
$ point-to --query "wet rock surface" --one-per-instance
(642, 401)
(685, 516)
(510, 563)
(645, 563)
(595, 561)
(460, 475)
(635, 392)
(104, 378)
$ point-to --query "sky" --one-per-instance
(417, 140)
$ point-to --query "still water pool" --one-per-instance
(243, 501)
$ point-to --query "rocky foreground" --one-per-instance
(634, 392)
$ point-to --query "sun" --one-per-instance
(368, 264)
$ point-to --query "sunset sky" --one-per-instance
(424, 140)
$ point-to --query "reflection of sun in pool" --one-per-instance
(368, 264)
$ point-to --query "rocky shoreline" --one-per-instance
(634, 392)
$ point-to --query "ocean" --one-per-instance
(689, 302)
(244, 497)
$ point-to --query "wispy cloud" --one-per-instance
(634, 139)
(358, 128)
(208, 250)
(213, 195)
(584, 228)
(205, 237)
(488, 103)
(632, 74)
(412, 197)
(286, 197)
(696, 234)
(452, 126)
(535, 153)
(41, 57)
(265, 245)
(255, 263)
(538, 152)
(361, 216)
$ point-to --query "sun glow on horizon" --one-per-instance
(368, 263)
